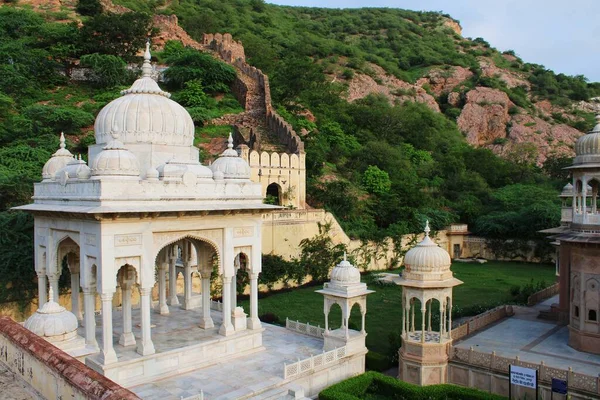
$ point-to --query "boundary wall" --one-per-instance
(49, 371)
(489, 372)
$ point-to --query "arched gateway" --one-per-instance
(144, 211)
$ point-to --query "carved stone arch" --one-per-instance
(243, 252)
(254, 158)
(163, 240)
(127, 275)
(133, 262)
(67, 246)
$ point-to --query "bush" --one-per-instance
(269, 318)
(89, 7)
(377, 362)
(105, 70)
(382, 386)
(51, 120)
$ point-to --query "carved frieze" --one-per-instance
(128, 240)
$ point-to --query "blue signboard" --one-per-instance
(559, 386)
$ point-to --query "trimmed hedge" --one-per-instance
(386, 386)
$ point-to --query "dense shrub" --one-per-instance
(385, 386)
(105, 70)
(88, 7)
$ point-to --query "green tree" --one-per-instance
(376, 181)
(105, 70)
(120, 35)
(89, 7)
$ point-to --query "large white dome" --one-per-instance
(145, 114)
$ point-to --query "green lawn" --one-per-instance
(484, 285)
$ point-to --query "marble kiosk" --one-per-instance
(143, 211)
(143, 204)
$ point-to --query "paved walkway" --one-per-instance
(248, 376)
(533, 340)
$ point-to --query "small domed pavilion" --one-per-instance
(427, 283)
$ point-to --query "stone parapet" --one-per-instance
(50, 371)
(482, 320)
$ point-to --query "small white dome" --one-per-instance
(231, 164)
(53, 322)
(345, 274)
(567, 191)
(115, 160)
(58, 160)
(587, 147)
(145, 114)
(427, 261)
(76, 169)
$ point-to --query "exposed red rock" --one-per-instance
(444, 80)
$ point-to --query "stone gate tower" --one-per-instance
(427, 284)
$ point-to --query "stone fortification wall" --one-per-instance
(489, 372)
(252, 89)
(49, 371)
(481, 247)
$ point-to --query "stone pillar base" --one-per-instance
(206, 323)
(127, 339)
(254, 323)
(226, 330)
(423, 363)
(584, 341)
(145, 349)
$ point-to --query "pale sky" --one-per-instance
(562, 35)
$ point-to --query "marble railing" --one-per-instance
(313, 362)
(306, 329)
(577, 381)
(481, 321)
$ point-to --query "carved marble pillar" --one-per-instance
(173, 300)
(108, 354)
(145, 346)
(206, 321)
(423, 312)
(254, 321)
(450, 318)
(127, 338)
(187, 280)
(89, 307)
(42, 289)
(75, 309)
(234, 291)
(163, 309)
(227, 327)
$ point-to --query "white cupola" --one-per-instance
(58, 161)
(115, 160)
(230, 164)
(427, 261)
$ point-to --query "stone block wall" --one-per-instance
(51, 372)
(482, 320)
(489, 372)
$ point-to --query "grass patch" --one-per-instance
(485, 286)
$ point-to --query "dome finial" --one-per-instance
(51, 294)
(345, 256)
(230, 141)
(597, 127)
(62, 140)
(427, 229)
(147, 67)
(115, 132)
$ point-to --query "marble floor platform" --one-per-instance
(246, 376)
(533, 340)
